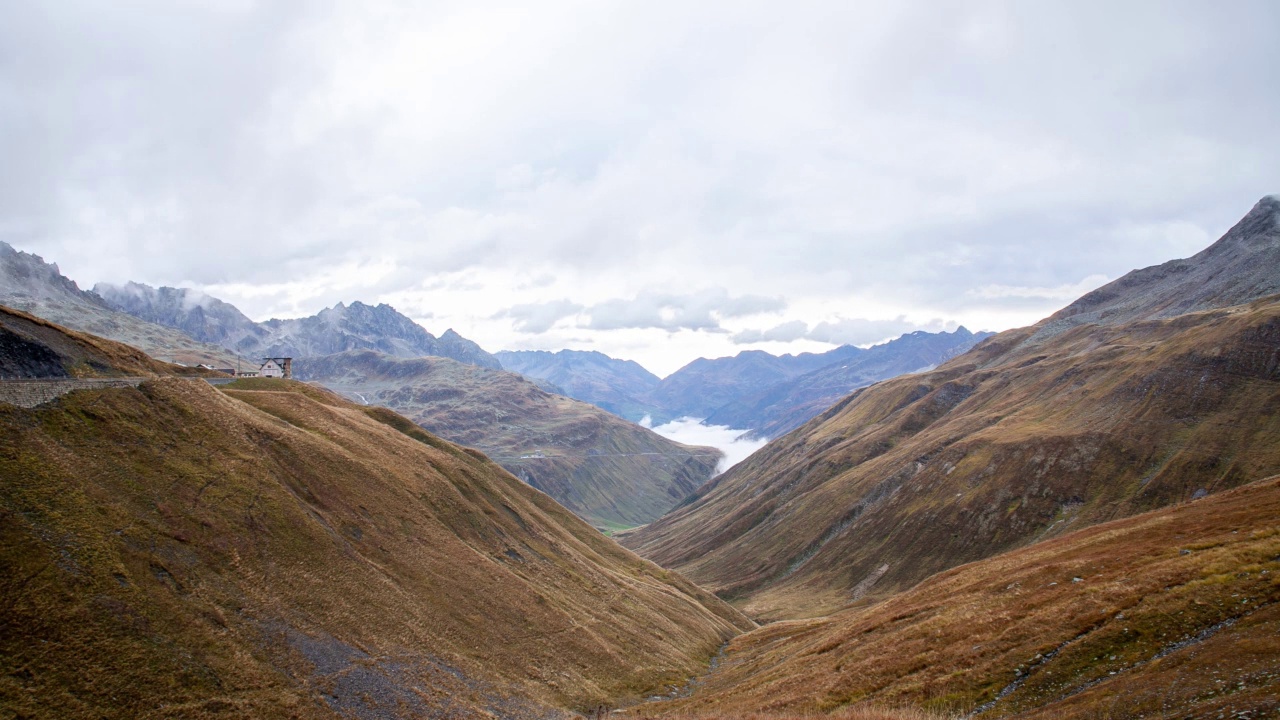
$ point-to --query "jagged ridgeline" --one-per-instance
(30, 284)
(269, 549)
(342, 327)
(1157, 388)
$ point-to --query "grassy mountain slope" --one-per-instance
(272, 550)
(607, 470)
(29, 284)
(1170, 614)
(1028, 435)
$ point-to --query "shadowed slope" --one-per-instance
(609, 471)
(1171, 614)
(31, 347)
(1028, 435)
(275, 551)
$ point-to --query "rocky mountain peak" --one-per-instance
(27, 275)
(1239, 268)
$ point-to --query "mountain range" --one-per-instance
(612, 473)
(784, 406)
(765, 394)
(1076, 519)
(333, 330)
(619, 386)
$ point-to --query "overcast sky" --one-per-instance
(655, 180)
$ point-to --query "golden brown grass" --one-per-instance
(177, 551)
(1174, 613)
(1008, 444)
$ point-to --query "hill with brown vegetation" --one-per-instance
(1169, 614)
(272, 550)
(1033, 433)
(611, 472)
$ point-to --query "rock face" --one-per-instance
(619, 386)
(30, 284)
(1033, 432)
(610, 472)
(342, 327)
(271, 550)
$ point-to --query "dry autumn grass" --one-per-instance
(275, 551)
(1169, 614)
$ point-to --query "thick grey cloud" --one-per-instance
(841, 331)
(921, 159)
(785, 332)
(860, 331)
(673, 312)
(538, 317)
(670, 312)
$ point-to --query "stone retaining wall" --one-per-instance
(30, 393)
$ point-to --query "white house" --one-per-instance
(276, 367)
(271, 368)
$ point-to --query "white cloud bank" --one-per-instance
(691, 431)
